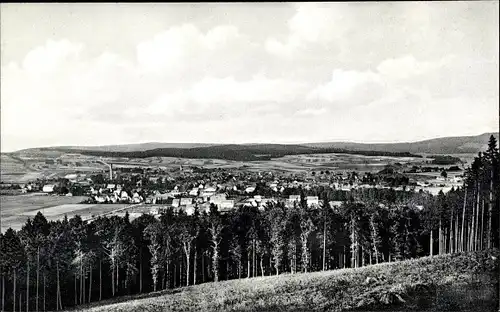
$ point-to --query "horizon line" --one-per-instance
(253, 143)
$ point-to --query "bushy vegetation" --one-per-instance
(444, 160)
(440, 283)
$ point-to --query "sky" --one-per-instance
(99, 74)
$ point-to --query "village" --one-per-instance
(144, 189)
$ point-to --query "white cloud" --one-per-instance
(226, 95)
(184, 47)
(348, 86)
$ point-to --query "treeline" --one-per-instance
(444, 160)
(59, 264)
(236, 152)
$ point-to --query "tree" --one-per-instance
(13, 258)
(215, 230)
(306, 229)
(154, 233)
(492, 163)
(277, 221)
(188, 233)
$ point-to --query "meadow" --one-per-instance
(453, 282)
(15, 210)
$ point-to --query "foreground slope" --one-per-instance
(459, 282)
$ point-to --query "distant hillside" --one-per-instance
(446, 145)
(252, 152)
(230, 152)
(129, 147)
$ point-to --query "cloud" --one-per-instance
(185, 47)
(349, 87)
(227, 96)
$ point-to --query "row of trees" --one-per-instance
(58, 264)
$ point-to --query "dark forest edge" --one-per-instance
(232, 152)
(69, 262)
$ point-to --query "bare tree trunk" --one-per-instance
(456, 239)
(345, 258)
(100, 279)
(14, 290)
(140, 270)
(324, 245)
(44, 280)
(76, 293)
(254, 266)
(490, 211)
(175, 276)
(27, 288)
(194, 266)
(81, 280)
(440, 238)
(37, 275)
(90, 283)
(476, 228)
(113, 267)
(3, 292)
(462, 240)
(203, 266)
(57, 286)
(353, 245)
(481, 238)
(117, 277)
(262, 265)
(84, 275)
(187, 266)
(431, 244)
(248, 266)
(450, 241)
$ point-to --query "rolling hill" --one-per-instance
(446, 145)
(253, 152)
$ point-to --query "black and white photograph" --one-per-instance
(250, 156)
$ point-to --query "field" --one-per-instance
(15, 210)
(458, 282)
(27, 166)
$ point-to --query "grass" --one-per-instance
(460, 282)
(15, 210)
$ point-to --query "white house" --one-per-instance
(250, 189)
(186, 201)
(312, 201)
(48, 188)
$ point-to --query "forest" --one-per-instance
(55, 265)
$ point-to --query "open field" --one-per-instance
(15, 210)
(27, 167)
(458, 282)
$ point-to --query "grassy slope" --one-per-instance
(461, 282)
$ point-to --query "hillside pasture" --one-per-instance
(15, 210)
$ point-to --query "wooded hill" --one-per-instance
(232, 152)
